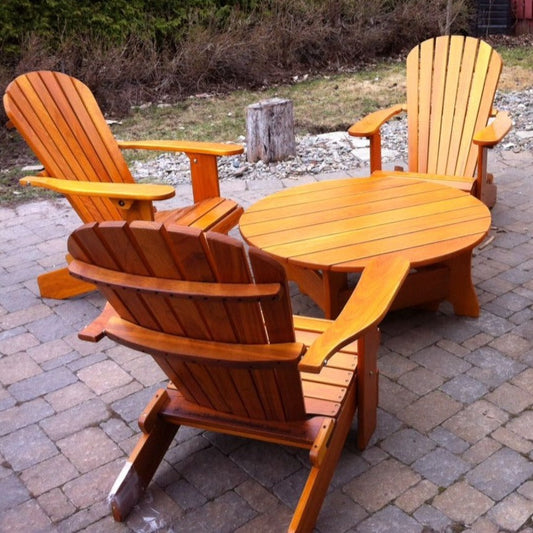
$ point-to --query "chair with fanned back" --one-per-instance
(451, 84)
(218, 322)
(61, 121)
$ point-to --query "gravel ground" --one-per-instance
(338, 151)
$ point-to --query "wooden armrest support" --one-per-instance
(370, 125)
(130, 191)
(379, 284)
(187, 147)
(495, 131)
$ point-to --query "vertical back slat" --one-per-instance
(413, 81)
(438, 86)
(424, 103)
(450, 100)
(277, 313)
(232, 267)
(468, 57)
(47, 109)
(241, 386)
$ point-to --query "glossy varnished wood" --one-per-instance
(217, 319)
(451, 84)
(61, 121)
(336, 227)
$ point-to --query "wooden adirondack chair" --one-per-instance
(239, 363)
(451, 83)
(61, 121)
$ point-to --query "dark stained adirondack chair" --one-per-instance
(219, 324)
(62, 123)
(451, 84)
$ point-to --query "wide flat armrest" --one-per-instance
(495, 131)
(371, 124)
(378, 286)
(127, 191)
(187, 147)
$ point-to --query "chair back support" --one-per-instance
(451, 84)
(62, 123)
(214, 312)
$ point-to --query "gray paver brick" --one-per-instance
(48, 474)
(500, 474)
(25, 517)
(476, 421)
(390, 519)
(429, 411)
(89, 448)
(512, 513)
(104, 376)
(441, 467)
(72, 420)
(462, 503)
(407, 445)
(26, 447)
(43, 383)
(381, 484)
(13, 493)
(17, 367)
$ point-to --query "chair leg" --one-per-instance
(317, 484)
(60, 285)
(144, 459)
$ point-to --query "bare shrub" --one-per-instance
(269, 43)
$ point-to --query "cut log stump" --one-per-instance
(270, 130)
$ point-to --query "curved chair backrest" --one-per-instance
(451, 84)
(61, 121)
(220, 328)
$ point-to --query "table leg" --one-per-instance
(323, 287)
(462, 293)
(335, 284)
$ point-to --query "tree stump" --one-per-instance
(270, 130)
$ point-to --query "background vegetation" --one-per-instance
(188, 68)
(130, 51)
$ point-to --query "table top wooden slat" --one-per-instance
(341, 224)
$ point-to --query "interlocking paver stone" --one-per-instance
(43, 383)
(429, 411)
(89, 448)
(462, 503)
(407, 445)
(492, 368)
(441, 467)
(476, 421)
(464, 389)
(413, 498)
(104, 376)
(455, 393)
(511, 513)
(26, 447)
(501, 473)
(390, 519)
(381, 484)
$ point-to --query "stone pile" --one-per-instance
(337, 151)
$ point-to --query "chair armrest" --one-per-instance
(379, 284)
(129, 191)
(203, 159)
(495, 131)
(369, 125)
(187, 147)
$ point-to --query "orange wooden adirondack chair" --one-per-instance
(451, 83)
(61, 121)
(239, 363)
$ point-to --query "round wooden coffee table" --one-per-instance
(324, 230)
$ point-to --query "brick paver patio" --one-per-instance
(453, 450)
